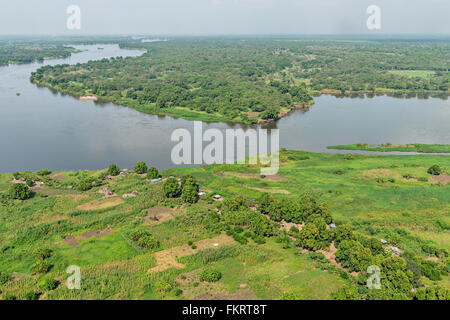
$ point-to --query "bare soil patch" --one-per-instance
(443, 179)
(96, 233)
(158, 215)
(101, 204)
(166, 259)
(71, 241)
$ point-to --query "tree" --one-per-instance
(84, 184)
(153, 173)
(236, 203)
(314, 234)
(113, 170)
(264, 202)
(189, 194)
(19, 191)
(140, 167)
(171, 188)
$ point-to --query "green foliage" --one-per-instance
(209, 275)
(432, 293)
(264, 202)
(4, 278)
(47, 284)
(189, 194)
(84, 184)
(41, 266)
(43, 172)
(140, 167)
(171, 188)
(153, 173)
(19, 191)
(435, 170)
(113, 170)
(42, 253)
(235, 204)
(353, 255)
(314, 234)
(144, 239)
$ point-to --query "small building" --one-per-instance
(156, 180)
(333, 226)
(217, 197)
(383, 241)
(201, 193)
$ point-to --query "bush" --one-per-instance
(210, 275)
(113, 170)
(42, 253)
(189, 194)
(84, 184)
(48, 284)
(171, 188)
(29, 182)
(4, 278)
(153, 173)
(41, 266)
(435, 170)
(19, 191)
(264, 202)
(144, 239)
(30, 295)
(140, 167)
(43, 172)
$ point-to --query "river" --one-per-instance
(42, 129)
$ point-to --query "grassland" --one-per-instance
(411, 147)
(389, 197)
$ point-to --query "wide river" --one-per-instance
(42, 129)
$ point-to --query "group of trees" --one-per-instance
(187, 188)
(27, 52)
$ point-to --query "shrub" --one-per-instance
(153, 173)
(189, 194)
(435, 170)
(29, 182)
(30, 295)
(48, 284)
(144, 239)
(113, 170)
(43, 172)
(9, 296)
(264, 202)
(171, 188)
(42, 253)
(4, 278)
(84, 184)
(178, 292)
(236, 203)
(41, 266)
(140, 167)
(19, 191)
(210, 275)
(289, 296)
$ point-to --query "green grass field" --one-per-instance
(390, 197)
(411, 147)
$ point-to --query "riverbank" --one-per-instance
(388, 147)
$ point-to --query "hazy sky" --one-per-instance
(200, 17)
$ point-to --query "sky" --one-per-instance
(223, 17)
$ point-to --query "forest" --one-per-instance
(253, 80)
(23, 51)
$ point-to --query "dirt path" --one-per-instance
(101, 204)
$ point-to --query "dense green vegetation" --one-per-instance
(15, 51)
(256, 243)
(411, 147)
(252, 80)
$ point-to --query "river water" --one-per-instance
(42, 129)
